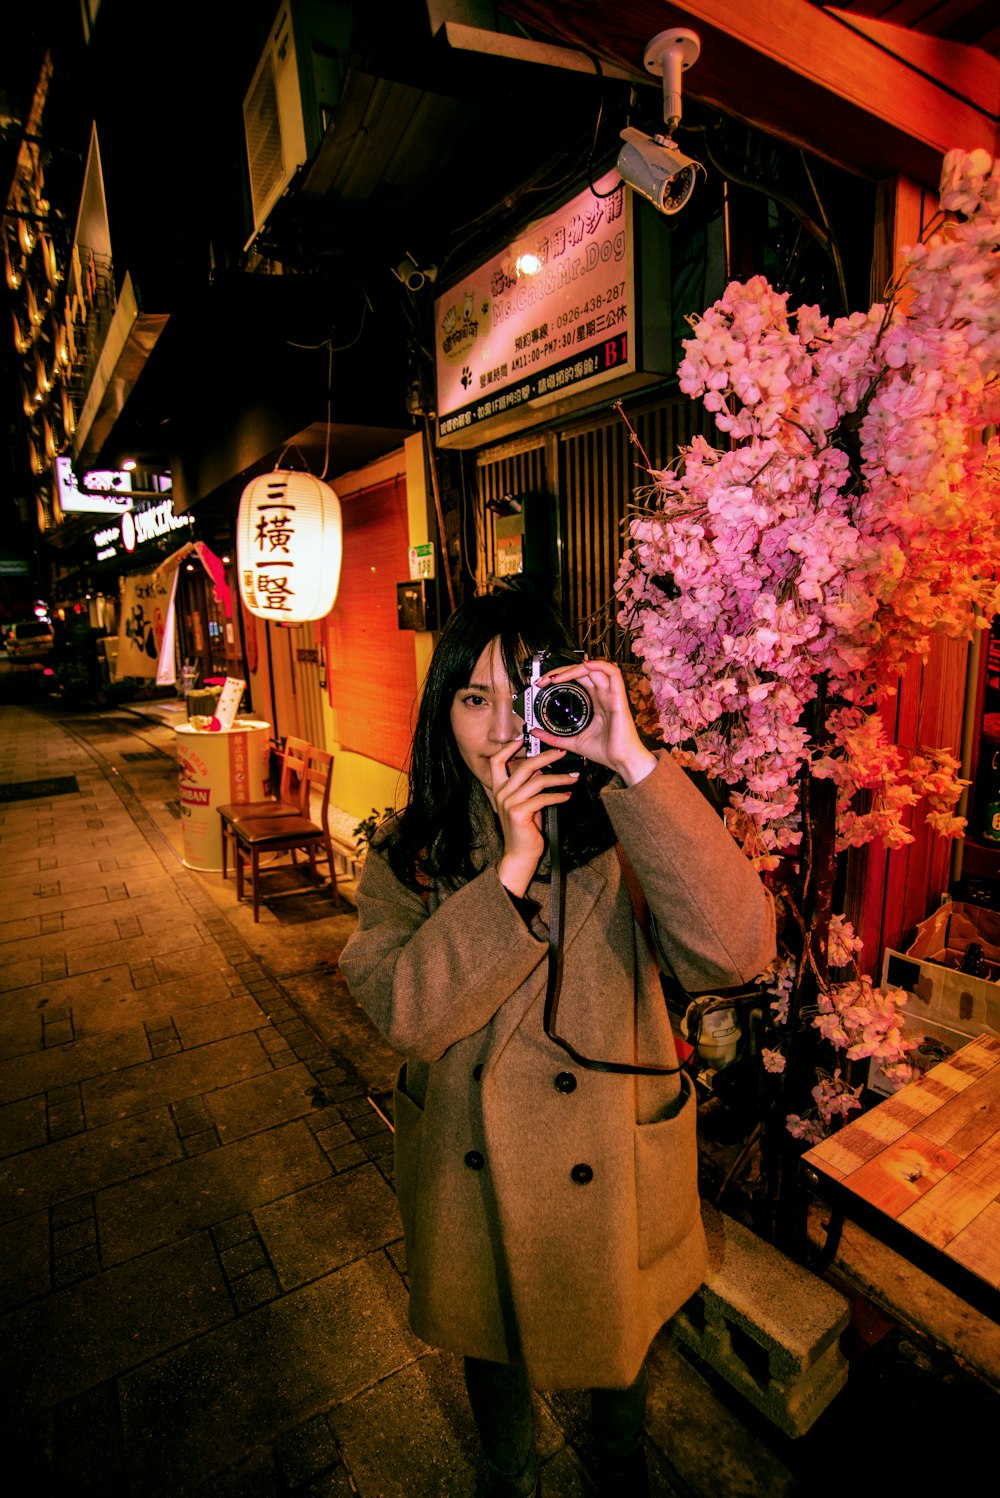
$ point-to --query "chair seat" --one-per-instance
(276, 829)
(242, 811)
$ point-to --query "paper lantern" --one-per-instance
(289, 542)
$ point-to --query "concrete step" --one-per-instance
(767, 1326)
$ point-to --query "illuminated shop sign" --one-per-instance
(144, 522)
(100, 492)
(550, 319)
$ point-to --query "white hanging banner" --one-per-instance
(166, 664)
(147, 618)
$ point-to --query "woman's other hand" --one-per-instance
(521, 792)
(610, 737)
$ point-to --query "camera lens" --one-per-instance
(564, 709)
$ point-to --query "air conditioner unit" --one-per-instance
(294, 90)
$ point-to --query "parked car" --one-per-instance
(29, 640)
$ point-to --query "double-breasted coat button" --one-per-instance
(477, 1072)
(474, 1160)
(565, 1082)
(581, 1174)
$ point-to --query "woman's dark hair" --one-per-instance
(435, 832)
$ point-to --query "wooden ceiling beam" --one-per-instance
(807, 75)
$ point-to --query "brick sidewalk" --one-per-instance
(202, 1288)
(199, 1246)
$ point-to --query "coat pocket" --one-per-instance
(408, 1122)
(666, 1179)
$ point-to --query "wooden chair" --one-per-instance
(288, 834)
(291, 801)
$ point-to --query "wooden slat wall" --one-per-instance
(592, 471)
(601, 468)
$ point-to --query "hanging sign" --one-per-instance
(289, 543)
(555, 316)
(103, 492)
(146, 632)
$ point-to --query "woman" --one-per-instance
(550, 1209)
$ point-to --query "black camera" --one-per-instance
(562, 708)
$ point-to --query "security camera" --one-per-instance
(409, 273)
(654, 167)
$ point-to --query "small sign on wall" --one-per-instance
(422, 561)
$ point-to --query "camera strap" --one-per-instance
(553, 987)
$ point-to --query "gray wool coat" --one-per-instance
(550, 1212)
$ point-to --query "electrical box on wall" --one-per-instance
(416, 604)
(523, 542)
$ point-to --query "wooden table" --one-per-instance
(921, 1171)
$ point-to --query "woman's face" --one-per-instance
(483, 717)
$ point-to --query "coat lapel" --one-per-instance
(584, 887)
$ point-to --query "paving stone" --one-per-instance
(706, 1439)
(74, 1235)
(397, 1256)
(243, 1257)
(93, 1056)
(20, 1029)
(230, 1016)
(234, 1230)
(200, 1144)
(321, 1345)
(84, 912)
(24, 1259)
(76, 1209)
(193, 965)
(307, 1451)
(79, 1264)
(262, 1102)
(253, 1290)
(16, 930)
(109, 985)
(137, 949)
(21, 974)
(56, 1032)
(134, 1089)
(434, 1448)
(190, 1194)
(109, 1324)
(312, 1231)
(142, 859)
(346, 1156)
(85, 1162)
(379, 1147)
(59, 943)
(89, 1455)
(22, 1125)
(84, 875)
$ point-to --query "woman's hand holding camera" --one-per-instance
(610, 738)
(522, 789)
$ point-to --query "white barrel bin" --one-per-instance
(215, 770)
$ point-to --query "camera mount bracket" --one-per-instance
(668, 55)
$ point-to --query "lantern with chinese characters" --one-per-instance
(289, 543)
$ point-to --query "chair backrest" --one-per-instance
(319, 775)
(294, 783)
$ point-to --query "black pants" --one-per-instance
(500, 1397)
